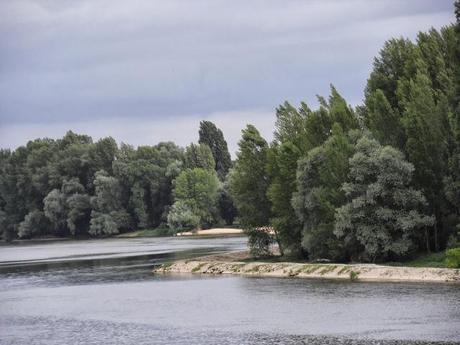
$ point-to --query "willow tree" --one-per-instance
(383, 217)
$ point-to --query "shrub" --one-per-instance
(260, 241)
(33, 224)
(181, 217)
(453, 258)
(354, 275)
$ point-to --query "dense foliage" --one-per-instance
(377, 182)
(76, 187)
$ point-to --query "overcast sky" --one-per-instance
(145, 71)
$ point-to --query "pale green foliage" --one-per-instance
(198, 189)
(182, 217)
(68, 209)
(103, 224)
(34, 223)
(108, 216)
(55, 209)
(382, 218)
(108, 194)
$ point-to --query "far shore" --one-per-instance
(240, 264)
(212, 232)
(196, 233)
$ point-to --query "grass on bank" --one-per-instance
(435, 260)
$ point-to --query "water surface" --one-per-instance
(97, 292)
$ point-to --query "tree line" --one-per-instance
(76, 187)
(380, 181)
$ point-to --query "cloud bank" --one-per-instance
(146, 71)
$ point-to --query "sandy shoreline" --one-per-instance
(212, 232)
(226, 264)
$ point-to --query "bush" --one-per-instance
(260, 241)
(181, 217)
(453, 258)
(33, 224)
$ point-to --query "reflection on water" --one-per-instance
(97, 261)
(100, 297)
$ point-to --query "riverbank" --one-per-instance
(236, 264)
(165, 232)
(212, 232)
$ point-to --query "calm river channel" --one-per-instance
(103, 292)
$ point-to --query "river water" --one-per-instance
(103, 292)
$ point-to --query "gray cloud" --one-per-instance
(103, 66)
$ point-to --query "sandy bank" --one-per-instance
(212, 232)
(361, 272)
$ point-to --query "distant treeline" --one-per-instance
(377, 182)
(75, 187)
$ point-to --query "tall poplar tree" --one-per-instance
(213, 137)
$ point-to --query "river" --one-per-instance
(103, 292)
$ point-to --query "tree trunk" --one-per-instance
(436, 244)
(280, 247)
(427, 240)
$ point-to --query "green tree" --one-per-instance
(35, 223)
(198, 189)
(383, 218)
(139, 205)
(395, 62)
(426, 145)
(199, 156)
(78, 214)
(102, 154)
(108, 216)
(212, 136)
(182, 217)
(282, 166)
(55, 211)
(226, 206)
(319, 178)
(383, 121)
(146, 176)
(68, 209)
(248, 180)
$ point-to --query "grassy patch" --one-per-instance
(327, 269)
(426, 260)
(344, 269)
(354, 275)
